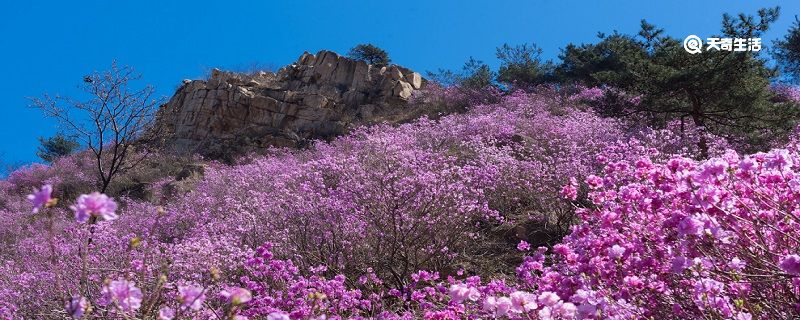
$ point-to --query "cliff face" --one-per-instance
(317, 97)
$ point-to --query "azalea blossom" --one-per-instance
(94, 204)
(166, 313)
(690, 226)
(122, 293)
(278, 316)
(523, 302)
(461, 292)
(191, 296)
(77, 306)
(523, 246)
(791, 264)
(236, 296)
(42, 198)
(616, 251)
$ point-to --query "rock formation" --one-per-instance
(317, 97)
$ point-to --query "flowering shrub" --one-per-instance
(685, 239)
(383, 201)
(399, 199)
(460, 217)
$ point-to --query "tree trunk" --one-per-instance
(697, 117)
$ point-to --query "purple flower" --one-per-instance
(41, 198)
(548, 298)
(616, 251)
(166, 313)
(461, 292)
(236, 296)
(791, 264)
(523, 302)
(679, 264)
(278, 316)
(94, 204)
(736, 264)
(191, 297)
(123, 293)
(523, 246)
(570, 191)
(690, 225)
(594, 181)
(744, 316)
(566, 310)
(77, 307)
(497, 306)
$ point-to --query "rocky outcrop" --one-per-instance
(317, 97)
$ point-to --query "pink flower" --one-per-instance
(679, 264)
(41, 197)
(123, 293)
(791, 264)
(236, 296)
(633, 281)
(166, 313)
(489, 304)
(191, 297)
(594, 181)
(736, 264)
(690, 226)
(499, 307)
(278, 316)
(548, 298)
(77, 307)
(94, 204)
(744, 316)
(570, 191)
(566, 310)
(780, 159)
(523, 302)
(503, 306)
(713, 170)
(616, 251)
(461, 292)
(523, 246)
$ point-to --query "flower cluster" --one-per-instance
(684, 238)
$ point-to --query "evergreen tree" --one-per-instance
(521, 65)
(787, 51)
(725, 92)
(370, 54)
(56, 147)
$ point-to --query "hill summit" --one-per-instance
(317, 97)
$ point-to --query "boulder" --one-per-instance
(415, 79)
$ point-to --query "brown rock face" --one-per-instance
(317, 97)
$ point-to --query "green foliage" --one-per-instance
(477, 74)
(522, 65)
(787, 51)
(56, 146)
(474, 75)
(370, 54)
(725, 92)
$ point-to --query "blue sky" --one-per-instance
(47, 46)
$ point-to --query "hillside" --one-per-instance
(337, 200)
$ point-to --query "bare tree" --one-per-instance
(109, 122)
